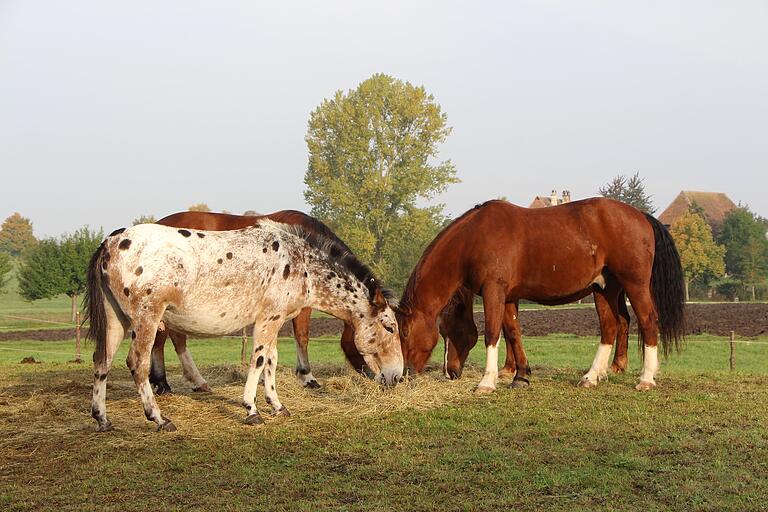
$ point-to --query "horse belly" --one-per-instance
(563, 273)
(207, 322)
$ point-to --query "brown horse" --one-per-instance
(223, 222)
(458, 329)
(552, 256)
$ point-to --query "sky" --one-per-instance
(110, 110)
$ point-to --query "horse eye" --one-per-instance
(389, 329)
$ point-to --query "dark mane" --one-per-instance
(407, 298)
(325, 241)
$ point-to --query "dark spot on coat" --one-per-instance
(305, 274)
(201, 235)
(126, 291)
(273, 271)
(223, 314)
(269, 361)
(272, 387)
(139, 270)
(264, 250)
(149, 291)
(338, 285)
(180, 265)
(185, 233)
(259, 361)
(362, 315)
(275, 245)
(175, 283)
(117, 232)
(124, 244)
(258, 349)
(372, 340)
(229, 255)
(219, 261)
(286, 271)
(331, 275)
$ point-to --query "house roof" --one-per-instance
(540, 202)
(716, 207)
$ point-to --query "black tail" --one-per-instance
(667, 287)
(94, 306)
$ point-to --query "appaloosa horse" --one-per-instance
(214, 282)
(210, 221)
(457, 327)
(550, 255)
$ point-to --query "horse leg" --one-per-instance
(144, 330)
(351, 352)
(493, 306)
(514, 338)
(157, 375)
(188, 366)
(459, 332)
(647, 319)
(607, 312)
(270, 393)
(264, 342)
(301, 334)
(115, 333)
(620, 360)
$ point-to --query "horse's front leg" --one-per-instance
(301, 334)
(270, 390)
(264, 341)
(493, 305)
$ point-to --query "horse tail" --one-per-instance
(94, 299)
(667, 287)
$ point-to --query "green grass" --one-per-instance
(28, 314)
(698, 442)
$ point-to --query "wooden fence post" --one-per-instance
(77, 337)
(242, 350)
(732, 343)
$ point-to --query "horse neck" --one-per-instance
(338, 292)
(437, 280)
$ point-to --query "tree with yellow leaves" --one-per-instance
(700, 255)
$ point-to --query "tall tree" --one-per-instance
(5, 269)
(16, 235)
(746, 257)
(372, 153)
(700, 255)
(56, 267)
(144, 219)
(630, 190)
(199, 207)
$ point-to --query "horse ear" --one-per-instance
(379, 302)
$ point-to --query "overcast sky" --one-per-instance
(111, 110)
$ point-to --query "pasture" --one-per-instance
(699, 442)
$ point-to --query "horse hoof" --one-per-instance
(519, 383)
(254, 419)
(106, 427)
(645, 386)
(313, 384)
(453, 374)
(586, 383)
(161, 389)
(202, 388)
(283, 412)
(617, 369)
(168, 426)
(484, 390)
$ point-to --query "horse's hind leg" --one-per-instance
(620, 360)
(606, 304)
(301, 334)
(116, 326)
(144, 329)
(270, 383)
(647, 319)
(157, 375)
(188, 366)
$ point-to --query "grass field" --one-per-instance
(699, 442)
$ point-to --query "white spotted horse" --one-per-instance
(210, 283)
(210, 221)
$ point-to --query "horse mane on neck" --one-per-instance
(408, 293)
(338, 254)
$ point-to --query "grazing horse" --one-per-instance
(211, 283)
(552, 256)
(209, 221)
(458, 329)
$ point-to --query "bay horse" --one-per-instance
(210, 221)
(549, 255)
(212, 283)
(457, 327)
